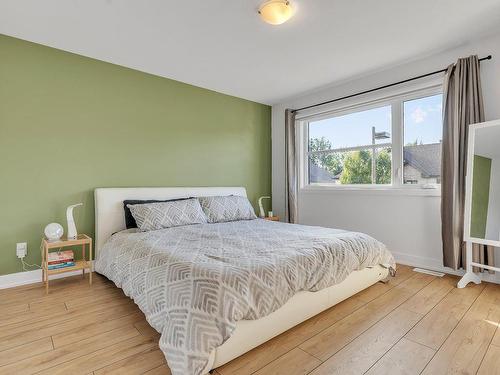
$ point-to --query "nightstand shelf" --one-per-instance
(82, 240)
(79, 265)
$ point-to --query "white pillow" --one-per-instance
(159, 215)
(227, 208)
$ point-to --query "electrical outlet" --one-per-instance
(21, 249)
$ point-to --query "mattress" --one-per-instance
(194, 283)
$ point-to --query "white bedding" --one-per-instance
(195, 282)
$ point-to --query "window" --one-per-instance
(394, 142)
(351, 149)
(422, 140)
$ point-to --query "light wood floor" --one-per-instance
(415, 324)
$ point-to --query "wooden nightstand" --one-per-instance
(272, 218)
(82, 240)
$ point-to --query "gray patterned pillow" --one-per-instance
(153, 216)
(227, 208)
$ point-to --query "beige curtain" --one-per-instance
(291, 167)
(462, 106)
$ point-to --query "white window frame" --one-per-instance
(396, 100)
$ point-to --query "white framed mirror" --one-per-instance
(482, 194)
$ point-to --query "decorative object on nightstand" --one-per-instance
(270, 216)
(49, 267)
(72, 233)
(53, 232)
(261, 207)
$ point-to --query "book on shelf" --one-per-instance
(57, 257)
(61, 265)
(54, 262)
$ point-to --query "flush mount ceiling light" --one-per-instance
(276, 12)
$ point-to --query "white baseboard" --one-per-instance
(437, 265)
(30, 277)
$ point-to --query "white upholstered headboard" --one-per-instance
(109, 215)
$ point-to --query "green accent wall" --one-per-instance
(69, 124)
(480, 195)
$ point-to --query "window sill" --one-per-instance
(371, 190)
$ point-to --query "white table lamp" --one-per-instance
(72, 233)
(261, 207)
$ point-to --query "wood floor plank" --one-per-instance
(30, 319)
(47, 308)
(496, 338)
(404, 358)
(146, 330)
(36, 289)
(13, 308)
(491, 362)
(416, 282)
(25, 351)
(464, 349)
(331, 340)
(425, 300)
(400, 293)
(44, 305)
(59, 290)
(295, 362)
(76, 302)
(102, 357)
(163, 370)
(374, 291)
(435, 327)
(95, 328)
(43, 315)
(25, 334)
(403, 273)
(63, 294)
(58, 356)
(363, 352)
(136, 364)
(267, 352)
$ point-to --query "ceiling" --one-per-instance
(223, 45)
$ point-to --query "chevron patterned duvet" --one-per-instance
(195, 282)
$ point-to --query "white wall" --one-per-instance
(408, 225)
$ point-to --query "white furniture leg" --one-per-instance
(469, 275)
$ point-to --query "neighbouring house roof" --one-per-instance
(425, 158)
(318, 174)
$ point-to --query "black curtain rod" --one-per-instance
(381, 87)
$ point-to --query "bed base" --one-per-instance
(109, 218)
(304, 305)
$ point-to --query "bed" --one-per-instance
(248, 280)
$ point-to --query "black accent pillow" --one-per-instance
(129, 219)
